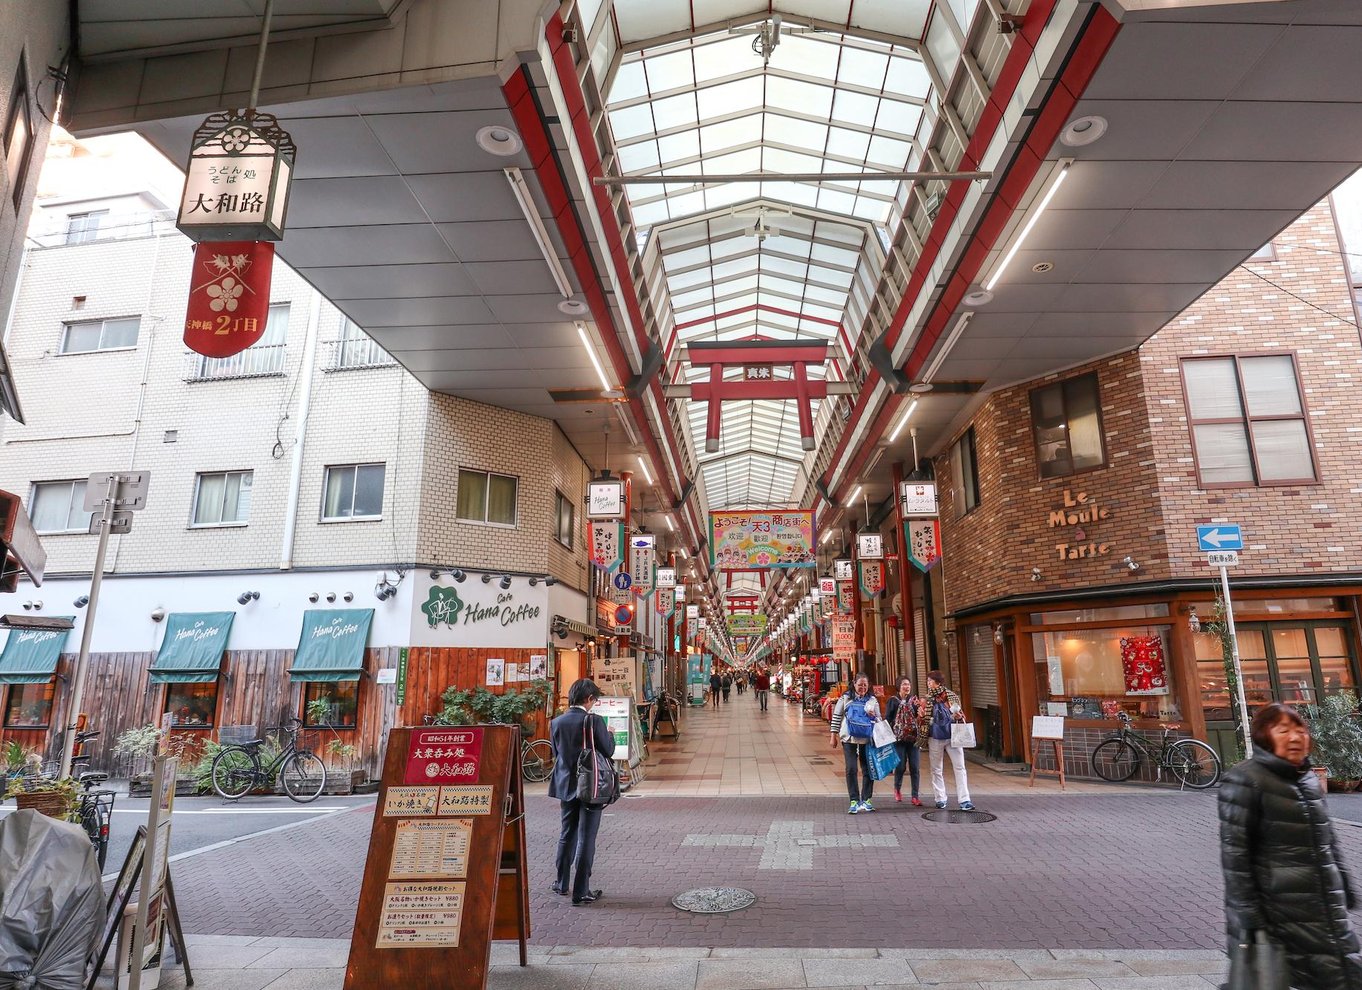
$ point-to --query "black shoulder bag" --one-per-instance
(597, 781)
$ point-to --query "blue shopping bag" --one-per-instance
(884, 760)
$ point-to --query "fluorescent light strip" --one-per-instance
(537, 228)
(646, 473)
(854, 495)
(903, 421)
(591, 352)
(1064, 164)
(670, 525)
(961, 322)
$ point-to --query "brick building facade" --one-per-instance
(1062, 580)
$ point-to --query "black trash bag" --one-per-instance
(51, 903)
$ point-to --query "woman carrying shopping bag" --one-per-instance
(903, 713)
(853, 723)
(941, 710)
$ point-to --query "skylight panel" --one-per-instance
(717, 197)
(848, 144)
(898, 117)
(638, 157)
(801, 194)
(819, 294)
(783, 266)
(738, 266)
(794, 133)
(862, 68)
(835, 201)
(806, 56)
(854, 108)
(907, 77)
(647, 214)
(735, 163)
(630, 82)
(889, 153)
(715, 138)
(791, 163)
(943, 47)
(731, 97)
(686, 258)
(631, 122)
(674, 111)
(717, 59)
(670, 71)
(800, 97)
(679, 147)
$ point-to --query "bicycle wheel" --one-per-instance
(1194, 763)
(537, 760)
(303, 776)
(234, 772)
(1115, 760)
(93, 824)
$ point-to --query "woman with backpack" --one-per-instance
(940, 711)
(853, 722)
(904, 713)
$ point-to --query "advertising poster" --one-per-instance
(539, 667)
(743, 624)
(761, 540)
(421, 914)
(616, 712)
(844, 638)
(1142, 662)
(496, 672)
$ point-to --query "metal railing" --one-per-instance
(353, 352)
(56, 230)
(254, 362)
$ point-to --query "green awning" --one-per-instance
(331, 647)
(192, 649)
(30, 655)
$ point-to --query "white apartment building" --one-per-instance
(307, 481)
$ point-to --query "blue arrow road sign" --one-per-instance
(1222, 536)
(622, 581)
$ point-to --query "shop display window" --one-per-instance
(341, 701)
(1095, 673)
(192, 706)
(29, 706)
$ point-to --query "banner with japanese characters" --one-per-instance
(606, 547)
(761, 540)
(643, 563)
(229, 296)
(872, 577)
(924, 542)
(743, 624)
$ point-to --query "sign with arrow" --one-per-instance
(1220, 536)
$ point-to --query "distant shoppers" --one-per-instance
(716, 685)
(727, 685)
(852, 719)
(572, 733)
(941, 709)
(741, 682)
(761, 683)
(1283, 875)
(904, 713)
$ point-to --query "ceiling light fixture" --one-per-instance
(1061, 172)
(670, 525)
(1083, 131)
(646, 473)
(903, 420)
(572, 307)
(537, 228)
(498, 140)
(977, 297)
(945, 348)
(591, 353)
(854, 495)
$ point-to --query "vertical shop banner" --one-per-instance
(846, 598)
(843, 638)
(872, 577)
(761, 540)
(643, 563)
(924, 542)
(841, 570)
(229, 296)
(607, 545)
(1143, 664)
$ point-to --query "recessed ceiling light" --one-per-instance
(920, 387)
(978, 297)
(572, 307)
(1041, 267)
(1083, 130)
(498, 140)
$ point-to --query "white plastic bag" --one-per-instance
(962, 735)
(884, 733)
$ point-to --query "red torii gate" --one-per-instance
(718, 355)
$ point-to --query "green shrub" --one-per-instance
(479, 705)
(1336, 735)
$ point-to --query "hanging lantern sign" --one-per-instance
(229, 296)
(236, 185)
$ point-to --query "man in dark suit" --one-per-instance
(572, 732)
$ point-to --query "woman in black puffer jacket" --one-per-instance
(1282, 870)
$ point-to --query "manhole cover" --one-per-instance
(956, 817)
(714, 900)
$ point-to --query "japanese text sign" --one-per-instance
(917, 498)
(924, 542)
(444, 756)
(761, 540)
(869, 546)
(229, 296)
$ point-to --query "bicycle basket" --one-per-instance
(236, 735)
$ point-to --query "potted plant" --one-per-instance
(138, 747)
(54, 797)
(1337, 737)
(341, 775)
(16, 758)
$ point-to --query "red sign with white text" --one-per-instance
(444, 756)
(229, 296)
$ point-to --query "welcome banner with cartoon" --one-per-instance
(742, 541)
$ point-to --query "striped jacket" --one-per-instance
(872, 709)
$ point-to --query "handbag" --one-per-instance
(883, 760)
(1257, 963)
(597, 782)
(883, 734)
(962, 735)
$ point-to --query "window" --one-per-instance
(1248, 423)
(29, 706)
(18, 134)
(356, 349)
(84, 227)
(565, 520)
(223, 499)
(965, 474)
(330, 705)
(354, 491)
(1066, 420)
(264, 357)
(1297, 663)
(1084, 671)
(192, 705)
(100, 335)
(59, 507)
(486, 498)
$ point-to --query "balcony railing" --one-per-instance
(350, 353)
(254, 362)
(57, 231)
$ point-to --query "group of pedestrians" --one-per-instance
(721, 684)
(917, 722)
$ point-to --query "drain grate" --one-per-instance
(957, 817)
(714, 900)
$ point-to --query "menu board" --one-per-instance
(437, 848)
(421, 914)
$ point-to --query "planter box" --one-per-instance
(140, 786)
(337, 782)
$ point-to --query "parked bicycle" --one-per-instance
(237, 769)
(1191, 761)
(536, 755)
(94, 807)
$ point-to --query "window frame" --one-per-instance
(15, 692)
(67, 325)
(266, 358)
(487, 484)
(19, 106)
(561, 500)
(330, 686)
(198, 488)
(962, 491)
(33, 497)
(190, 726)
(84, 230)
(354, 467)
(1246, 420)
(1061, 385)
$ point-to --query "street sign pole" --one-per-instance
(1234, 654)
(83, 658)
